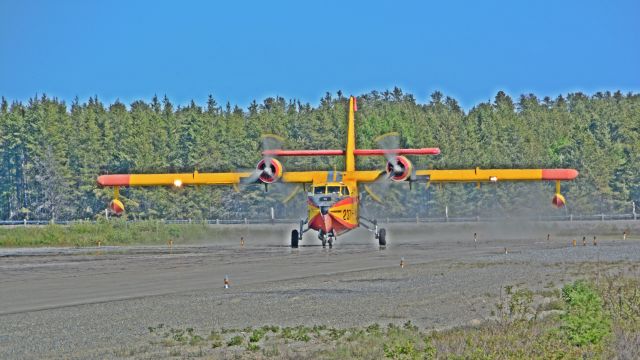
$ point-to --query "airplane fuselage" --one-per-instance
(333, 207)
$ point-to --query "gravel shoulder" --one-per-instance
(80, 303)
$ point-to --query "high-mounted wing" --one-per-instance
(196, 178)
(476, 175)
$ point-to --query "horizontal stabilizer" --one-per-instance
(357, 152)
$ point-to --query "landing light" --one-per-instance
(493, 179)
(177, 183)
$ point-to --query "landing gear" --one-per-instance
(327, 239)
(295, 236)
(378, 233)
(382, 237)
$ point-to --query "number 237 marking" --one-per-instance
(347, 214)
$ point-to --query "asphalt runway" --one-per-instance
(90, 302)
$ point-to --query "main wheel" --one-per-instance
(324, 241)
(330, 243)
(382, 237)
(294, 238)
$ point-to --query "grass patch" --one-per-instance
(585, 321)
(597, 320)
(113, 232)
(235, 341)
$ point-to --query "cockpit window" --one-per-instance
(318, 190)
(333, 189)
(345, 190)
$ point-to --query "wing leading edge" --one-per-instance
(196, 178)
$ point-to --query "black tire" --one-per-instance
(330, 243)
(294, 239)
(382, 237)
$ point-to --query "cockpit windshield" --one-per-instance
(340, 190)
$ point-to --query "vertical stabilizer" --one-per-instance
(351, 136)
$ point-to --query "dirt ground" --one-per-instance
(93, 302)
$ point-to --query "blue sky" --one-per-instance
(240, 51)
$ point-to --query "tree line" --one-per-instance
(51, 152)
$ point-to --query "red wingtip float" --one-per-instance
(333, 196)
(116, 207)
(558, 201)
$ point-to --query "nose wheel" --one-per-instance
(326, 239)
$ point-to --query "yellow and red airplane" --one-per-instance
(333, 199)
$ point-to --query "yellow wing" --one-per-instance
(196, 178)
(478, 175)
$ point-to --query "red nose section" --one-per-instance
(327, 223)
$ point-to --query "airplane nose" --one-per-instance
(327, 223)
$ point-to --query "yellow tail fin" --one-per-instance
(351, 136)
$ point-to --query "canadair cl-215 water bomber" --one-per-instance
(333, 196)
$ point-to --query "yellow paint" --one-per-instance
(187, 179)
(346, 212)
(481, 175)
(350, 158)
(466, 175)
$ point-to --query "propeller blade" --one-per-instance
(373, 195)
(255, 174)
(389, 141)
(271, 142)
(291, 195)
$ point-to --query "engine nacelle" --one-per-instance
(399, 169)
(270, 170)
(116, 207)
